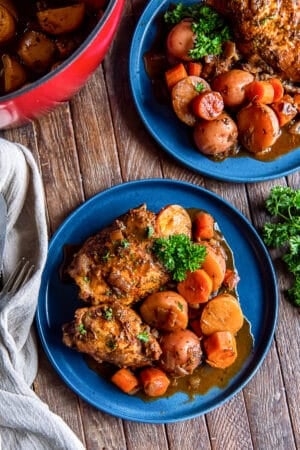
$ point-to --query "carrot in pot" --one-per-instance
(194, 68)
(260, 92)
(278, 89)
(285, 110)
(175, 74)
(125, 380)
(196, 288)
(203, 226)
(297, 101)
(221, 313)
(208, 105)
(154, 381)
(220, 348)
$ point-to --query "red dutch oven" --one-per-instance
(59, 85)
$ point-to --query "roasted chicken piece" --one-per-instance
(270, 29)
(112, 333)
(117, 263)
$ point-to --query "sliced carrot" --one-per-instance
(220, 349)
(125, 380)
(221, 313)
(175, 74)
(278, 89)
(260, 92)
(285, 110)
(208, 105)
(231, 279)
(297, 101)
(196, 288)
(203, 226)
(154, 381)
(194, 68)
(214, 264)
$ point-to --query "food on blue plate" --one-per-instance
(227, 60)
(162, 286)
(36, 37)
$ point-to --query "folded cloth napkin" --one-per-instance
(26, 422)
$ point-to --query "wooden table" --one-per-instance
(95, 141)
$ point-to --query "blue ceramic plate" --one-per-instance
(175, 137)
(57, 301)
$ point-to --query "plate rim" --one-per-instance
(41, 315)
(145, 21)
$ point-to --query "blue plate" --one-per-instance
(175, 137)
(57, 301)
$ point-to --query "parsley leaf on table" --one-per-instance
(283, 232)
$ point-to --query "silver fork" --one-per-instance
(18, 278)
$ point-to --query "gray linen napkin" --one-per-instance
(26, 423)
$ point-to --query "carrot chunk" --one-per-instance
(214, 264)
(260, 92)
(203, 226)
(196, 288)
(285, 109)
(175, 74)
(220, 349)
(194, 68)
(297, 101)
(208, 105)
(278, 89)
(125, 380)
(154, 381)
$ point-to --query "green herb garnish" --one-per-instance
(179, 255)
(108, 313)
(199, 87)
(143, 336)
(283, 232)
(210, 28)
(81, 329)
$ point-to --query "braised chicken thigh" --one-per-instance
(113, 333)
(117, 263)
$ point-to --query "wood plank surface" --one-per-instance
(95, 141)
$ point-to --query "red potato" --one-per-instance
(182, 95)
(214, 137)
(165, 310)
(36, 51)
(181, 353)
(7, 25)
(13, 75)
(208, 105)
(221, 313)
(58, 21)
(231, 86)
(258, 127)
(180, 40)
(154, 381)
(173, 219)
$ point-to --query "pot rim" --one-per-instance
(75, 55)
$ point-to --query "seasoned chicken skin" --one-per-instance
(112, 333)
(117, 263)
(269, 29)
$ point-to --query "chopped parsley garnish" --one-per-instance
(124, 243)
(179, 255)
(283, 232)
(199, 87)
(86, 279)
(111, 344)
(149, 231)
(143, 336)
(210, 28)
(180, 306)
(106, 256)
(81, 329)
(108, 313)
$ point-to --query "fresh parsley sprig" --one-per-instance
(283, 232)
(179, 255)
(210, 28)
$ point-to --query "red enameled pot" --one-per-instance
(59, 85)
